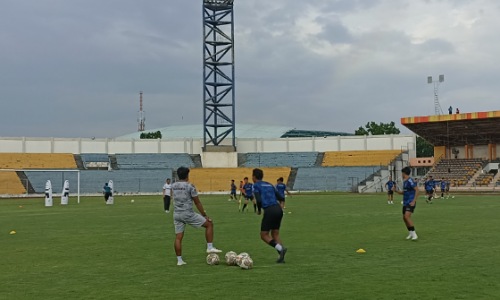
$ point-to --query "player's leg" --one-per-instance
(196, 220)
(179, 234)
(254, 205)
(408, 210)
(245, 204)
(270, 226)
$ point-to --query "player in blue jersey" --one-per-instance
(410, 195)
(232, 196)
(443, 185)
(281, 188)
(390, 193)
(268, 196)
(247, 191)
(430, 185)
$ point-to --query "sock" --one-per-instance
(179, 259)
(244, 206)
(254, 207)
(210, 245)
(411, 228)
(278, 247)
(272, 243)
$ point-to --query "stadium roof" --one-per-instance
(243, 131)
(479, 128)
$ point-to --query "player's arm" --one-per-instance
(412, 203)
(288, 192)
(199, 206)
(395, 189)
(257, 196)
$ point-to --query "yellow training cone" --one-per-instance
(13, 232)
(360, 251)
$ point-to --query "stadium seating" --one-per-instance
(331, 178)
(359, 158)
(91, 181)
(37, 161)
(154, 161)
(95, 160)
(280, 159)
(484, 179)
(10, 183)
(215, 180)
(457, 171)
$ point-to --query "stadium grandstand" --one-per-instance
(308, 160)
(465, 148)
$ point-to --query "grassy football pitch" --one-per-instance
(125, 251)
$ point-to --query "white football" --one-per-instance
(132, 201)
(230, 258)
(213, 259)
(246, 263)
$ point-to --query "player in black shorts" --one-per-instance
(268, 196)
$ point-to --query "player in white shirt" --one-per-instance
(167, 195)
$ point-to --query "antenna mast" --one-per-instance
(142, 117)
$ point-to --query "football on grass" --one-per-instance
(246, 263)
(230, 258)
(213, 259)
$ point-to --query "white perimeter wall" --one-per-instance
(193, 146)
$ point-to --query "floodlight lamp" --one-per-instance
(441, 78)
(429, 79)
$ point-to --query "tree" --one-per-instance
(151, 135)
(372, 128)
(424, 148)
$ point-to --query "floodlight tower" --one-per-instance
(218, 72)
(141, 119)
(437, 106)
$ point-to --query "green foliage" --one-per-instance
(424, 148)
(151, 135)
(125, 251)
(372, 128)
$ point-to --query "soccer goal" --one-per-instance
(33, 181)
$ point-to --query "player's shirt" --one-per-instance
(409, 190)
(183, 193)
(443, 184)
(281, 188)
(429, 185)
(168, 189)
(248, 189)
(266, 192)
(233, 188)
(106, 189)
(390, 184)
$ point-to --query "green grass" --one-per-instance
(125, 251)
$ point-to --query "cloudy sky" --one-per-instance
(75, 68)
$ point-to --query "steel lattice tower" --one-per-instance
(218, 72)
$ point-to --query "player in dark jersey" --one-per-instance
(248, 194)
(232, 196)
(281, 188)
(443, 185)
(390, 193)
(430, 185)
(268, 196)
(106, 191)
(410, 195)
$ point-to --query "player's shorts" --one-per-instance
(233, 193)
(190, 218)
(429, 191)
(272, 218)
(447, 190)
(390, 192)
(248, 197)
(409, 208)
(107, 195)
(166, 198)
